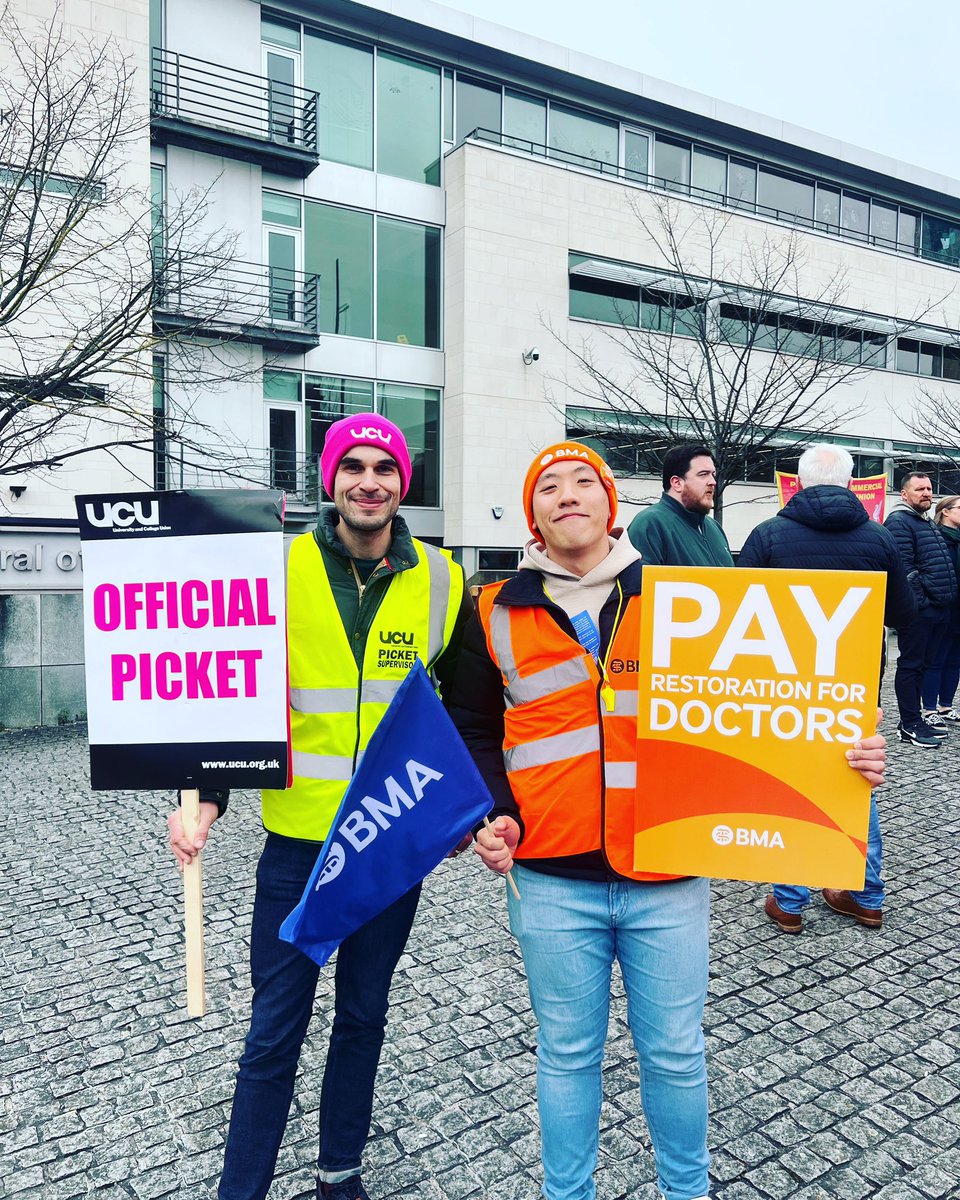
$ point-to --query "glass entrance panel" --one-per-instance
(281, 71)
(282, 259)
(283, 448)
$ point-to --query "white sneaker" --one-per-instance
(935, 720)
(948, 714)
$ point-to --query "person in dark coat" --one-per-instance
(934, 583)
(824, 527)
(940, 683)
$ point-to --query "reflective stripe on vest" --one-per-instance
(334, 707)
(575, 789)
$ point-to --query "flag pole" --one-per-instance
(510, 879)
(193, 907)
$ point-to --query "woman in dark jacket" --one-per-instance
(940, 682)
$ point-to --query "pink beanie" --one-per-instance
(364, 429)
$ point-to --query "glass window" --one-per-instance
(908, 355)
(909, 235)
(408, 119)
(951, 362)
(656, 311)
(280, 33)
(709, 173)
(157, 197)
(281, 210)
(328, 399)
(156, 22)
(941, 240)
(583, 136)
(524, 119)
(734, 323)
(417, 411)
(849, 344)
(688, 316)
(883, 224)
(874, 349)
(798, 336)
(408, 283)
(281, 385)
(447, 105)
(603, 300)
(477, 107)
(828, 208)
(498, 560)
(785, 196)
(636, 155)
(281, 101)
(931, 359)
(672, 163)
(342, 74)
(855, 215)
(339, 248)
(742, 183)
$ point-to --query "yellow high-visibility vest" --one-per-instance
(334, 707)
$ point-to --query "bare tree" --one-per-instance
(85, 261)
(726, 345)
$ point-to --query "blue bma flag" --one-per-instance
(414, 796)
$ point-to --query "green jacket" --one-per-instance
(667, 534)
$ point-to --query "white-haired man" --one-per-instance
(824, 527)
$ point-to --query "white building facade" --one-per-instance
(433, 213)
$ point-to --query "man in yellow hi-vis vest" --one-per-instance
(365, 600)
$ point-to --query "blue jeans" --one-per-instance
(570, 931)
(792, 898)
(284, 983)
(940, 682)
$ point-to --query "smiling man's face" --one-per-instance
(366, 489)
(570, 508)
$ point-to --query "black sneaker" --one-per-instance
(936, 724)
(348, 1189)
(918, 735)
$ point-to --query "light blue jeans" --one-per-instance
(570, 931)
(792, 898)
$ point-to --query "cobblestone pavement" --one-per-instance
(834, 1057)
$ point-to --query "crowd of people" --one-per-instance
(527, 678)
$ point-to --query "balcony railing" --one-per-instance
(225, 111)
(246, 302)
(598, 166)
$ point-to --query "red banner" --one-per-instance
(871, 491)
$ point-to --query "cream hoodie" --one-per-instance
(576, 593)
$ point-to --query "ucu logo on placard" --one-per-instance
(368, 432)
(393, 637)
(123, 513)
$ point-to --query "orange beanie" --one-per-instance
(562, 451)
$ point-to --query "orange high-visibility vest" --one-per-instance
(570, 752)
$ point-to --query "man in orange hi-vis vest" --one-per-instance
(545, 696)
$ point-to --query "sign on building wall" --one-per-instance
(871, 491)
(185, 639)
(40, 560)
(753, 685)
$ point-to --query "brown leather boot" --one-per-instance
(843, 902)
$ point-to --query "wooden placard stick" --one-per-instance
(193, 907)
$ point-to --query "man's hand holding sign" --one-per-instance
(762, 683)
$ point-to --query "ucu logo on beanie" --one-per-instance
(368, 432)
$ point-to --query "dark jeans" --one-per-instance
(940, 682)
(284, 982)
(919, 644)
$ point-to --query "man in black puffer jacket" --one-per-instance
(826, 528)
(932, 577)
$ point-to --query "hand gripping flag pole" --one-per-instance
(510, 878)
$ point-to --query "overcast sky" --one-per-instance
(880, 74)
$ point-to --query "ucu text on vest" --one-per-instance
(779, 703)
(396, 658)
(357, 830)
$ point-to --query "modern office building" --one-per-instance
(435, 215)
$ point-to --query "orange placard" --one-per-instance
(871, 491)
(753, 685)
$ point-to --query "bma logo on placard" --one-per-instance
(767, 839)
(121, 514)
